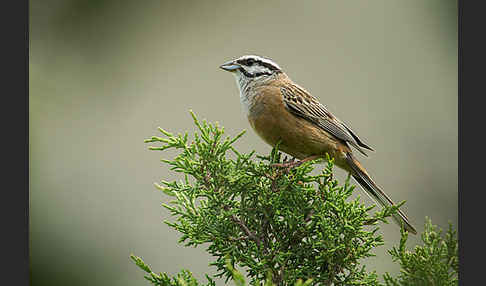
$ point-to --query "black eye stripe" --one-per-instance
(250, 75)
(252, 61)
(269, 66)
(246, 62)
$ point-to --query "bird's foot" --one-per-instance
(288, 160)
(290, 164)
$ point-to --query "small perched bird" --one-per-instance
(281, 111)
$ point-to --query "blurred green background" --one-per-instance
(105, 74)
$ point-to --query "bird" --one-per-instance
(282, 112)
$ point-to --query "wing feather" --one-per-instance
(302, 104)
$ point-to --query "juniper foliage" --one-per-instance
(183, 278)
(282, 226)
(433, 263)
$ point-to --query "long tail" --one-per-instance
(361, 176)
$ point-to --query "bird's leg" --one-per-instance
(284, 160)
(293, 164)
(288, 159)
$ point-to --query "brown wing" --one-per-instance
(302, 104)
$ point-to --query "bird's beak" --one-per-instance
(230, 66)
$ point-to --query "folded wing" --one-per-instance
(300, 103)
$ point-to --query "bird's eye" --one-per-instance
(250, 62)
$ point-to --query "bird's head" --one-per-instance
(250, 68)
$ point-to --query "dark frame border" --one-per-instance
(471, 60)
(15, 118)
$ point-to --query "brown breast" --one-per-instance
(273, 123)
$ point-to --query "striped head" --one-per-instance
(250, 68)
(251, 71)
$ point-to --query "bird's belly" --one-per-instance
(297, 136)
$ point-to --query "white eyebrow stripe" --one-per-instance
(268, 61)
(262, 59)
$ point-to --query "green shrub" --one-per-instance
(283, 226)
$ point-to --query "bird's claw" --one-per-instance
(288, 164)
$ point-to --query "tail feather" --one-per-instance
(362, 177)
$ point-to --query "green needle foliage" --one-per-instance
(434, 263)
(184, 278)
(282, 225)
